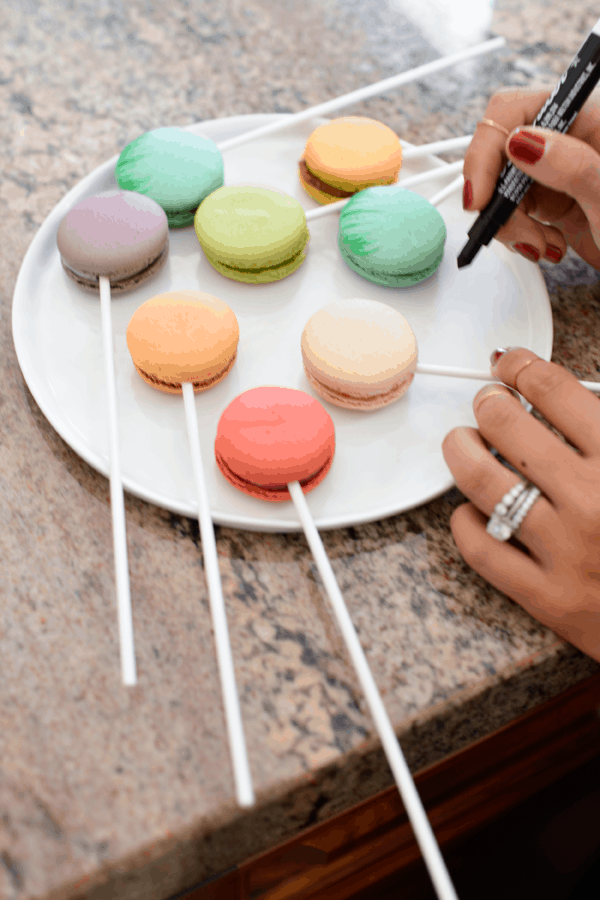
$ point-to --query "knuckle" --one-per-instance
(473, 479)
(587, 174)
(543, 380)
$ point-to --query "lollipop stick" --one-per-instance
(480, 375)
(419, 178)
(237, 743)
(412, 801)
(449, 189)
(380, 87)
(436, 147)
(453, 372)
(117, 503)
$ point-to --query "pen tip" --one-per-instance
(468, 253)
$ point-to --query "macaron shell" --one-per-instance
(354, 152)
(391, 236)
(358, 353)
(119, 234)
(176, 168)
(183, 336)
(269, 436)
(252, 234)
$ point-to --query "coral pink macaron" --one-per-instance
(269, 436)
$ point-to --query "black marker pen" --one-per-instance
(558, 113)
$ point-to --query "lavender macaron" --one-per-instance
(119, 234)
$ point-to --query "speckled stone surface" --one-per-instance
(107, 792)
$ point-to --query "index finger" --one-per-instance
(557, 394)
(485, 157)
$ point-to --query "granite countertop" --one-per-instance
(113, 792)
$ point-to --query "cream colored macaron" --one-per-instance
(359, 354)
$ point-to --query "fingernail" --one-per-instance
(527, 251)
(490, 390)
(497, 354)
(467, 195)
(526, 147)
(554, 253)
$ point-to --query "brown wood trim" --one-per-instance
(373, 840)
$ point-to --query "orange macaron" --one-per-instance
(183, 336)
(347, 155)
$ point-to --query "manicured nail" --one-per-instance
(553, 253)
(467, 195)
(526, 147)
(527, 251)
(496, 354)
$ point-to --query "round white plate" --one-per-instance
(386, 461)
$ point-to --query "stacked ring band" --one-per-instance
(511, 511)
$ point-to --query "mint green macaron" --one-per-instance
(252, 234)
(391, 236)
(176, 168)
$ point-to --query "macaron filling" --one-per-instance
(392, 279)
(177, 385)
(381, 398)
(270, 491)
(310, 178)
(116, 280)
(285, 262)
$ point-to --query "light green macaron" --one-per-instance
(391, 236)
(252, 234)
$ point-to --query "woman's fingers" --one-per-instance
(532, 239)
(534, 451)
(502, 564)
(486, 155)
(485, 481)
(563, 163)
(572, 409)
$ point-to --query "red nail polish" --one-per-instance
(528, 251)
(554, 253)
(495, 355)
(527, 147)
(467, 195)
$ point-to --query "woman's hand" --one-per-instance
(554, 569)
(563, 207)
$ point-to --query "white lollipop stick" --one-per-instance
(117, 503)
(453, 372)
(395, 757)
(438, 172)
(449, 189)
(480, 375)
(436, 147)
(380, 87)
(235, 730)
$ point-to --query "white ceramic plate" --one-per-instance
(386, 461)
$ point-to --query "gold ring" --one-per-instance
(495, 125)
(523, 367)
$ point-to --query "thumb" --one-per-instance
(560, 162)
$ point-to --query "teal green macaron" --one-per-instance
(176, 168)
(391, 236)
(252, 234)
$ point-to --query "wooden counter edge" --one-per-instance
(373, 840)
